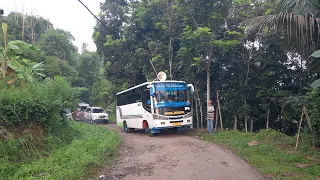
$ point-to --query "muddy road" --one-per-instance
(175, 156)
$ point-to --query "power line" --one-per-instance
(98, 19)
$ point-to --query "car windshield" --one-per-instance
(82, 108)
(100, 110)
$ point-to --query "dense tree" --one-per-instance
(32, 27)
(187, 39)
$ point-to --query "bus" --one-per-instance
(155, 106)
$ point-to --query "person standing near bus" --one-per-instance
(210, 116)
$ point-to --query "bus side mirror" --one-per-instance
(149, 102)
(191, 88)
(151, 91)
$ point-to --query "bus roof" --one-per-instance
(146, 83)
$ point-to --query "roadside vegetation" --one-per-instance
(71, 152)
(36, 92)
(271, 152)
(36, 140)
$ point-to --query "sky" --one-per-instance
(68, 15)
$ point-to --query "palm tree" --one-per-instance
(296, 20)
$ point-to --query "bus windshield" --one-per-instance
(171, 96)
(170, 92)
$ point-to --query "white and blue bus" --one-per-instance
(154, 106)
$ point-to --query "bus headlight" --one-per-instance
(159, 117)
(187, 115)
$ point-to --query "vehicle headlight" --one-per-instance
(159, 117)
(188, 115)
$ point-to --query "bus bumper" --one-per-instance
(182, 127)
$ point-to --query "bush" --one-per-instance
(70, 152)
(43, 102)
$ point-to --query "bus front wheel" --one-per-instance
(149, 132)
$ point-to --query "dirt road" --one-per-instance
(176, 156)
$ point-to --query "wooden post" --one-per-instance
(297, 141)
(217, 118)
(196, 101)
(201, 113)
(306, 113)
(221, 125)
(268, 115)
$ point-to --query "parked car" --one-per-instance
(95, 115)
(67, 113)
(78, 114)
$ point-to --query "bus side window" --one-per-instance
(146, 98)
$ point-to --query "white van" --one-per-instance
(95, 115)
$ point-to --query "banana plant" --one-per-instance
(13, 55)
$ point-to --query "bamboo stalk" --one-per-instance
(297, 141)
(221, 125)
(309, 124)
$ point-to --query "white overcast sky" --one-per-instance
(69, 15)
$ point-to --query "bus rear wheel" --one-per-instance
(126, 129)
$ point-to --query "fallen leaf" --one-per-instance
(299, 165)
(253, 143)
(318, 178)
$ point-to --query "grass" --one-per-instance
(72, 156)
(112, 117)
(274, 157)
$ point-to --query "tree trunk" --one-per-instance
(197, 113)
(217, 118)
(268, 115)
(201, 113)
(4, 64)
(22, 31)
(246, 84)
(297, 141)
(208, 78)
(251, 125)
(221, 125)
(235, 125)
(245, 118)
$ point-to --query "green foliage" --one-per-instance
(39, 102)
(274, 156)
(57, 43)
(314, 108)
(257, 80)
(75, 149)
(316, 54)
(315, 84)
(34, 27)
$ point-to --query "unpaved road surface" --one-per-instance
(176, 157)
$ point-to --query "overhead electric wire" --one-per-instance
(112, 32)
(98, 19)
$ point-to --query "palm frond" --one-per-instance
(302, 32)
(299, 7)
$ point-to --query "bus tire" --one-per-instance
(150, 134)
(126, 129)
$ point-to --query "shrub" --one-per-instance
(43, 102)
